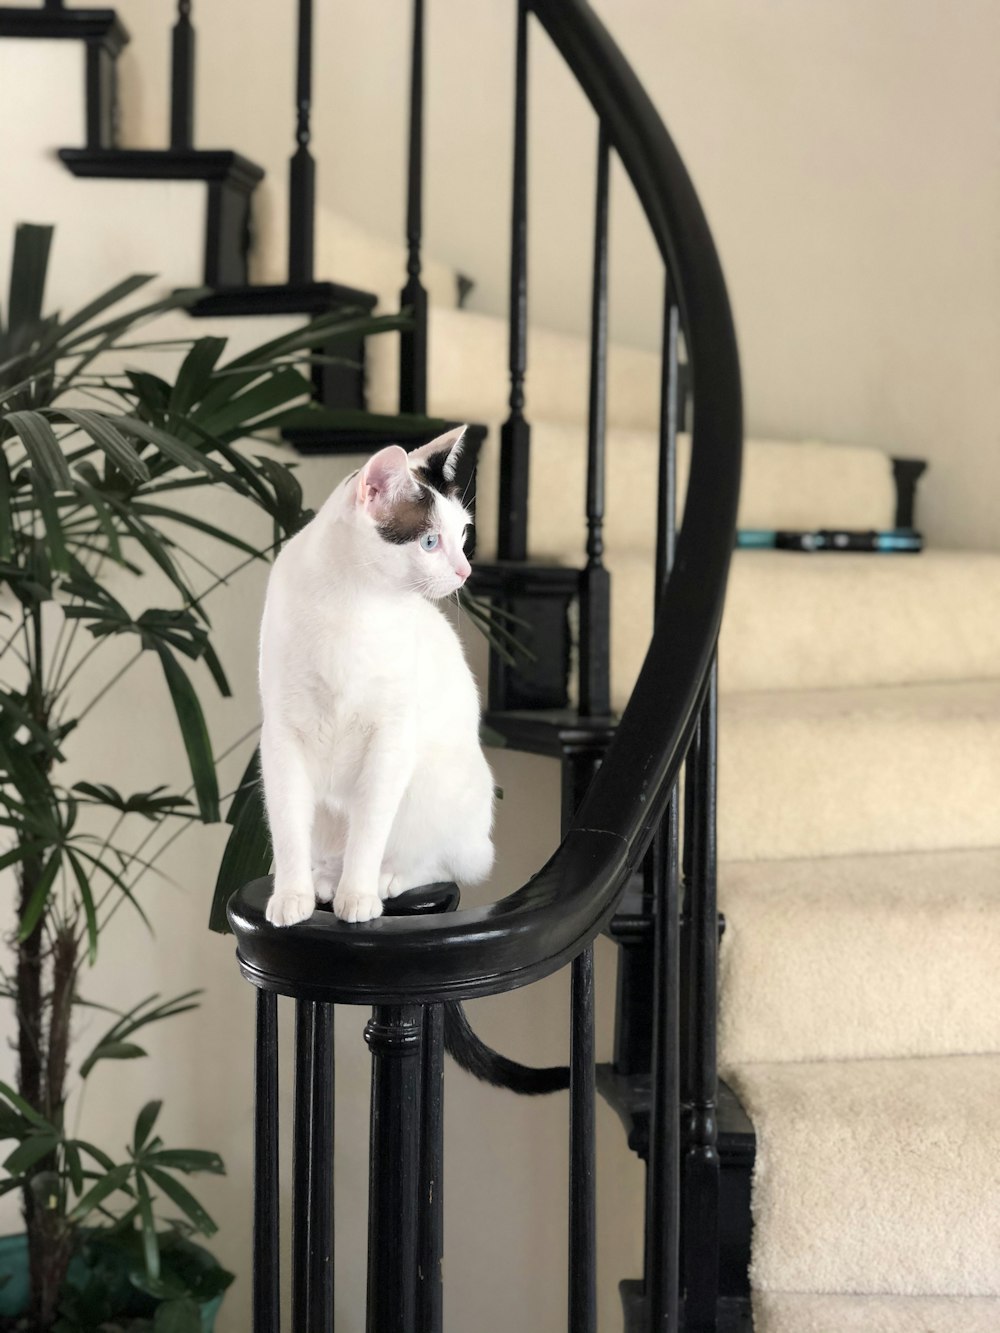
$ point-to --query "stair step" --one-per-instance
(838, 772)
(860, 957)
(797, 1312)
(797, 621)
(732, 1315)
(876, 1176)
(786, 484)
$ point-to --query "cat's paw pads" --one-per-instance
(288, 909)
(355, 907)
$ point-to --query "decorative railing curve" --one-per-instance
(407, 966)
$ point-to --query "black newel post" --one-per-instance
(182, 80)
(430, 1184)
(595, 584)
(413, 343)
(395, 1036)
(302, 176)
(515, 435)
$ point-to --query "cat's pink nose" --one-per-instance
(463, 570)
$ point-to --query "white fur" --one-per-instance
(374, 778)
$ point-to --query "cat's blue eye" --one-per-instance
(428, 541)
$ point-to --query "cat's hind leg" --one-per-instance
(328, 839)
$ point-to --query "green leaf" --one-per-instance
(74, 1166)
(49, 510)
(103, 302)
(195, 374)
(195, 736)
(175, 450)
(180, 1316)
(40, 895)
(114, 1180)
(139, 1016)
(26, 1109)
(184, 1200)
(188, 1160)
(6, 517)
(106, 436)
(98, 1154)
(247, 854)
(30, 1152)
(150, 1241)
(90, 910)
(144, 1123)
(42, 446)
(29, 265)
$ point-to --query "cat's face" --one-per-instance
(409, 508)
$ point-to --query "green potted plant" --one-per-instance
(96, 467)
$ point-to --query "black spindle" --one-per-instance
(413, 343)
(515, 435)
(302, 178)
(701, 1155)
(312, 1170)
(394, 1038)
(266, 1236)
(53, 4)
(595, 584)
(663, 1169)
(582, 1177)
(182, 80)
(430, 1186)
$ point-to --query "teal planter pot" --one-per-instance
(15, 1285)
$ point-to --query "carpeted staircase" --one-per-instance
(860, 834)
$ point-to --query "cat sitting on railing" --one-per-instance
(374, 778)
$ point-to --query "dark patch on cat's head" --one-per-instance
(410, 517)
(433, 471)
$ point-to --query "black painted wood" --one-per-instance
(582, 1151)
(515, 435)
(302, 170)
(182, 79)
(595, 585)
(666, 507)
(312, 1170)
(430, 1219)
(266, 1297)
(906, 473)
(231, 181)
(413, 342)
(700, 1129)
(394, 1037)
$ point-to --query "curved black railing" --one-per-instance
(407, 966)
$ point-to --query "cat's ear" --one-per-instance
(441, 455)
(384, 479)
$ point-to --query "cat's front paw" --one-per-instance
(351, 906)
(290, 907)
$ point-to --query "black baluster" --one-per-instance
(393, 1035)
(582, 1176)
(515, 435)
(302, 177)
(266, 1232)
(430, 1195)
(663, 1167)
(413, 343)
(53, 4)
(595, 584)
(182, 79)
(312, 1170)
(701, 1155)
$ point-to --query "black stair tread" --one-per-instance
(630, 1096)
(521, 577)
(283, 298)
(354, 431)
(89, 25)
(733, 1313)
(550, 731)
(203, 164)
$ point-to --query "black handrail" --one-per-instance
(551, 919)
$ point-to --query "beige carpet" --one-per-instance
(781, 1312)
(848, 958)
(835, 772)
(876, 1176)
(797, 621)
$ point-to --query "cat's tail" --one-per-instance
(475, 1057)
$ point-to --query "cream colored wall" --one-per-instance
(848, 155)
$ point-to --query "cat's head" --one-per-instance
(409, 503)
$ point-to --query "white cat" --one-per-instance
(374, 778)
